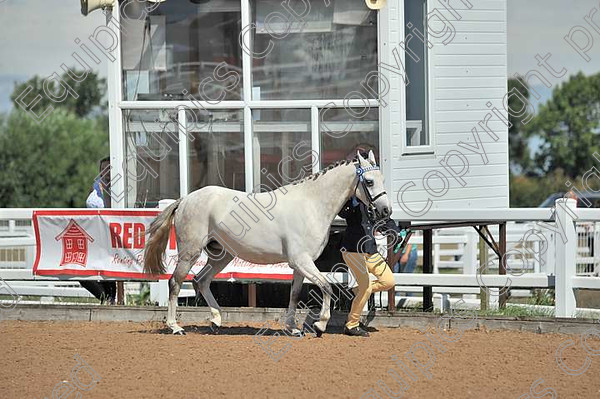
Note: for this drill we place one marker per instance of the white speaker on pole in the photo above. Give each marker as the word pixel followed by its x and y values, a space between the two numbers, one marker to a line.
pixel 87 6
pixel 375 4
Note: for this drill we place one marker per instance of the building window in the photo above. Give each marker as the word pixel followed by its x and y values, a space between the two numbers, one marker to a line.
pixel 80 243
pixel 216 153
pixel 325 58
pixel 178 46
pixel 171 51
pixel 344 132
pixel 69 243
pixel 152 157
pixel 282 147
pixel 417 128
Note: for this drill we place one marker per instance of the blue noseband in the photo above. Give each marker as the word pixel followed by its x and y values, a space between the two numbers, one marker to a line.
pixel 360 171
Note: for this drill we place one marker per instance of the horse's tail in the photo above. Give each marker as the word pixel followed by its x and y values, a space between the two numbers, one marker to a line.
pixel 159 237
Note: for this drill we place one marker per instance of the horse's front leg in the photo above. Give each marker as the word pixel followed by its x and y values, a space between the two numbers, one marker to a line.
pixel 325 314
pixel 290 324
pixel 307 268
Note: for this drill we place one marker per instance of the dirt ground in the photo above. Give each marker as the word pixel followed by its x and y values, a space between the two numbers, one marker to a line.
pixel 139 360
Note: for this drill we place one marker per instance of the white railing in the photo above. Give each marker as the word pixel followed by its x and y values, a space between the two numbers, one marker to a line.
pixel 563 265
pixel 588 248
pixel 557 225
pixel 17 256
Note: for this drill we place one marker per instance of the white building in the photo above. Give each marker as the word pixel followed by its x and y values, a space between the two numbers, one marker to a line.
pixel 191 104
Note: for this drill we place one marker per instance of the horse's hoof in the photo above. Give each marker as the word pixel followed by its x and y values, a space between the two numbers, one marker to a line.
pixel 307 329
pixel 318 332
pixel 179 332
pixel 214 328
pixel 296 333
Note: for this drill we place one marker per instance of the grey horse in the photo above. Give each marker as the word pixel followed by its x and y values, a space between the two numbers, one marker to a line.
pixel 290 224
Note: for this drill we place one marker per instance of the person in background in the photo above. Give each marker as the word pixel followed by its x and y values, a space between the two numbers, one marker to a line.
pixel 408 260
pixel 105 181
pixel 99 198
pixel 95 198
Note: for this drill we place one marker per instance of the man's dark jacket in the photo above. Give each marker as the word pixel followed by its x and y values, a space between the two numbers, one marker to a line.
pixel 359 225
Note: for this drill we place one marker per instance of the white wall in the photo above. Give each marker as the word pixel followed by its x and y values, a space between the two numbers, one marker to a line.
pixel 464 75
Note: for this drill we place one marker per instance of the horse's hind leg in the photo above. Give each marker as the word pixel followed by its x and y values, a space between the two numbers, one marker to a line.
pixel 290 317
pixel 208 272
pixel 184 264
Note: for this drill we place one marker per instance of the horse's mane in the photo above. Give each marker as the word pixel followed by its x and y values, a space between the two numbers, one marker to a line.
pixel 316 175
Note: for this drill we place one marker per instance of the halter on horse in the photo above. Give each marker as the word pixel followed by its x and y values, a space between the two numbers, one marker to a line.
pixel 360 171
pixel 293 227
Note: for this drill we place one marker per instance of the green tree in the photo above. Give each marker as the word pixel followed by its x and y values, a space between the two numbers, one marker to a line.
pixel 90 92
pixel 520 160
pixel 51 164
pixel 569 126
pixel 531 191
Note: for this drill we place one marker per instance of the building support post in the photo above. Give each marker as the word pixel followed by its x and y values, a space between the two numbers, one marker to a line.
pixel 502 261
pixel 483 261
pixel 120 293
pixel 252 295
pixel 427 268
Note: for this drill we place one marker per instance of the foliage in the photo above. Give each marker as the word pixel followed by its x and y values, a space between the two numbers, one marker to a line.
pixel 52 164
pixel 518 311
pixel 141 299
pixel 569 126
pixel 531 191
pixel 542 297
pixel 518 146
pixel 90 94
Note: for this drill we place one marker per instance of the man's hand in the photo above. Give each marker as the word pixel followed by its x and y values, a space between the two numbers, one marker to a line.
pixel 404 258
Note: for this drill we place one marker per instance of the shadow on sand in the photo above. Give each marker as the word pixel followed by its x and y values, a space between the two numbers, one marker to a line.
pixel 269 328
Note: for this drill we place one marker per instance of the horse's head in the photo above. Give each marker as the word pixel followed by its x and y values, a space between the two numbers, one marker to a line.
pixel 370 189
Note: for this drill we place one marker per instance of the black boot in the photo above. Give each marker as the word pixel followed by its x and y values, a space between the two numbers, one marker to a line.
pixel 356 332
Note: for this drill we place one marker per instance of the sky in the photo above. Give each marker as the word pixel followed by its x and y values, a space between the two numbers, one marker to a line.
pixel 539 27
pixel 37 36
pixel 31 42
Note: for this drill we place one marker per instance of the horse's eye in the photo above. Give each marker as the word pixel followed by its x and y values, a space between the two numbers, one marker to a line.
pixel 370 183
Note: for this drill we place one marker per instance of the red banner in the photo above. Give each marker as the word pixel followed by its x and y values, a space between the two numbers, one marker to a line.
pixel 110 243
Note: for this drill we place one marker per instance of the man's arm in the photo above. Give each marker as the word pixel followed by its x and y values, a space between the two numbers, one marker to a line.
pixel 346 210
pixel 390 225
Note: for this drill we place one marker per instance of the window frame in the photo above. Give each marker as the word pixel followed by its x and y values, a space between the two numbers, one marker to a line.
pixel 428 149
pixel 118 107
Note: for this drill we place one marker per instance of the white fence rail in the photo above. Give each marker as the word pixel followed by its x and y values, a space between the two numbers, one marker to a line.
pixel 564 255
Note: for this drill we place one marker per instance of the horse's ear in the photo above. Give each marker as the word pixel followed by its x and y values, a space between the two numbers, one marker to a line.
pixel 358 156
pixel 372 158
